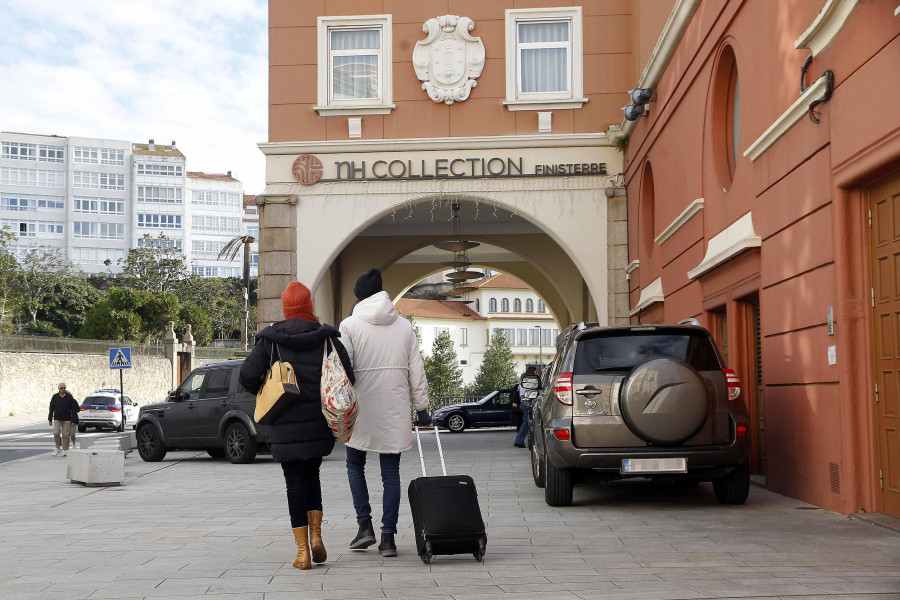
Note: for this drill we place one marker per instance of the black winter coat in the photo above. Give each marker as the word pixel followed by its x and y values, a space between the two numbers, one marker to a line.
pixel 63 407
pixel 300 432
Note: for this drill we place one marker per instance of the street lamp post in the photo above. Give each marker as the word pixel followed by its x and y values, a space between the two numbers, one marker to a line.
pixel 540 350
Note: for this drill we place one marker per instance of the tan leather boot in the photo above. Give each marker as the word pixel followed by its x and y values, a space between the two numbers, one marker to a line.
pixel 315 536
pixel 301 534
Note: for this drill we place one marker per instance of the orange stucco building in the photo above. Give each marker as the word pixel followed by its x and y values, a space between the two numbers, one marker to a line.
pixel 763 194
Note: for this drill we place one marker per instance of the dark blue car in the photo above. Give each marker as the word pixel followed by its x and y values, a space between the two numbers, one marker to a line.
pixel 494 410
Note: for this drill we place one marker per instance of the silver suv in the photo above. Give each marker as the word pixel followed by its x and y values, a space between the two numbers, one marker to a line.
pixel 639 401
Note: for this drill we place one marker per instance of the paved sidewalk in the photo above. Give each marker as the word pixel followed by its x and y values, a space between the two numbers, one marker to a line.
pixel 7 422
pixel 193 527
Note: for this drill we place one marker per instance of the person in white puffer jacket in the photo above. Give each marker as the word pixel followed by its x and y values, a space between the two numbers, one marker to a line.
pixel 384 351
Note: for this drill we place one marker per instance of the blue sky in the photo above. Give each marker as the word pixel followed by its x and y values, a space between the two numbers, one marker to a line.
pixel 193 71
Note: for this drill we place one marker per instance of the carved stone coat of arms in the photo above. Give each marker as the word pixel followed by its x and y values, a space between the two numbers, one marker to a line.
pixel 448 60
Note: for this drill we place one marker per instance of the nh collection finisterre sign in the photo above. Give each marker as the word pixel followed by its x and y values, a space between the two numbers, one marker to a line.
pixel 308 169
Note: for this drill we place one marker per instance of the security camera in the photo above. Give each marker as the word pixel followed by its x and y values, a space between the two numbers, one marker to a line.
pixel 641 95
pixel 633 111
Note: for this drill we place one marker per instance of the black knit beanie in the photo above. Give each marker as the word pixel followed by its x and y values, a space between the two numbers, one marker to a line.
pixel 367 284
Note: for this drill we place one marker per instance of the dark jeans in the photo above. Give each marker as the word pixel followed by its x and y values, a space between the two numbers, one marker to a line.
pixel 390 478
pixel 304 491
pixel 522 435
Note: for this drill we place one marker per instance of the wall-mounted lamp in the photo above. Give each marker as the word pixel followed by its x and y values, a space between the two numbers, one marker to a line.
pixel 639 98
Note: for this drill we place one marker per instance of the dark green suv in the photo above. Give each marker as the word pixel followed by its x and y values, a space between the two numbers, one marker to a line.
pixel 639 401
pixel 209 411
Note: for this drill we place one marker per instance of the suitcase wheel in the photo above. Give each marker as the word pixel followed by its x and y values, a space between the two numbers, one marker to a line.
pixel 427 554
pixel 479 556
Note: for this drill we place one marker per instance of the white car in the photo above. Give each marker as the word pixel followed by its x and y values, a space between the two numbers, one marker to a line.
pixel 103 408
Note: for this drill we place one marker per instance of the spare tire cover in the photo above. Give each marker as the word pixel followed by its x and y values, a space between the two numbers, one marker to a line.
pixel 665 401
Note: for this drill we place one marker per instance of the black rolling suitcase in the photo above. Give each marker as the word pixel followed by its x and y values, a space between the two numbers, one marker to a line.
pixel 445 512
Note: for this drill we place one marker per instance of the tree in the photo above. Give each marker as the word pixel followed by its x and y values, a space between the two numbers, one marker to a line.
pixel 498 367
pixel 10 273
pixel 442 368
pixel 197 317
pixel 41 269
pixel 154 265
pixel 68 302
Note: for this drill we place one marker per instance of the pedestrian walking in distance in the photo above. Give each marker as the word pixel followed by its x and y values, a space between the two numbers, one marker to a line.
pixel 62 405
pixel 300 436
pixel 389 370
pixel 524 409
pixel 73 424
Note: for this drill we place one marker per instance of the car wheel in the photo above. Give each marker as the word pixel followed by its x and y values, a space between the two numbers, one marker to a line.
pixel 120 428
pixel 558 485
pixel 734 487
pixel 456 422
pixel 240 447
pixel 150 447
pixel 216 452
pixel 537 465
pixel 82 428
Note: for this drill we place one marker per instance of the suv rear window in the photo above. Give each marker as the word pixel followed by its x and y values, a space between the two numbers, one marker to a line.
pixel 99 400
pixel 624 351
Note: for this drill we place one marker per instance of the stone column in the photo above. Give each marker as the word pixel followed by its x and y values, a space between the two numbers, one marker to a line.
pixel 170 346
pixel 277 253
pixel 617 235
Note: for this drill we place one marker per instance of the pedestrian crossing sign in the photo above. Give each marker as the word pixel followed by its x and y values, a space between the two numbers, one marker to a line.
pixel 120 358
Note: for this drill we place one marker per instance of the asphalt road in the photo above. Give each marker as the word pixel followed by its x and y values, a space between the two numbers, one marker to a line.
pixel 30 440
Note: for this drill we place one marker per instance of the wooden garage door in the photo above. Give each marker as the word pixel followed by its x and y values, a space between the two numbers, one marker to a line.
pixel 885 206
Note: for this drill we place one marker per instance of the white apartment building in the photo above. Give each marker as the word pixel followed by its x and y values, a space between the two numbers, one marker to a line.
pixel 216 214
pixel 251 228
pixel 159 196
pixel 499 302
pixel 95 199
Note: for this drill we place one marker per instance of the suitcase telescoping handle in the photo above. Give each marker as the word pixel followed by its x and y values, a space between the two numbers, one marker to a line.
pixel 437 436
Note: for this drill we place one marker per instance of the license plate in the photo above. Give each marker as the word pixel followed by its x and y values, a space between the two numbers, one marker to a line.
pixel 654 465
pixel 96 413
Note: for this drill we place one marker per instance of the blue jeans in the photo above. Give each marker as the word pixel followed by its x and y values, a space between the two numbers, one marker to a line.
pixel 523 429
pixel 390 478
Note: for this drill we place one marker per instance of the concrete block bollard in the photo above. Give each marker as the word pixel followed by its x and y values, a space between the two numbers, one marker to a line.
pixel 96 467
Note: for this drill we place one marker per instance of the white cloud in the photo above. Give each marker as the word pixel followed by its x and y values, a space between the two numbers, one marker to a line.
pixel 191 71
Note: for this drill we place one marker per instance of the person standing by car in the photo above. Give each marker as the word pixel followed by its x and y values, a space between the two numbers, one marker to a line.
pixel 299 436
pixel 389 368
pixel 525 407
pixel 60 417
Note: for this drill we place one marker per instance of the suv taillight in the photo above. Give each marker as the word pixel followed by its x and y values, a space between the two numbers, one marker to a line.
pixel 734 384
pixel 563 388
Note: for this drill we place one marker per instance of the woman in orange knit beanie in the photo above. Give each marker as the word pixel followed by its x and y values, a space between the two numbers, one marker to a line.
pixel 300 436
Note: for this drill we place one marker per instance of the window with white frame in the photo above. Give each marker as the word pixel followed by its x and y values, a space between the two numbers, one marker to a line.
pixel 18 150
pixel 354 65
pixel 112 156
pixel 541 307
pixel 492 305
pixel 51 153
pixel 33 228
pixel 522 335
pixel 529 305
pixel 463 336
pixel 30 202
pixel 33 177
pixel 160 194
pixel 98 181
pixel 517 305
pixel 217 199
pixel 211 224
pixel 159 243
pixel 547 337
pixel 544 58
pixel 101 231
pixel 206 248
pixel 215 271
pixel 101 206
pixel 478 305
pixel 96 256
pixel 533 336
pixel 254 259
pixel 439 330
pixel 86 154
pixel 157 221
pixel 160 169
pixel 504 305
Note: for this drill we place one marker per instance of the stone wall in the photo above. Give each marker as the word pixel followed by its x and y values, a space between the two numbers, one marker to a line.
pixel 28 380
